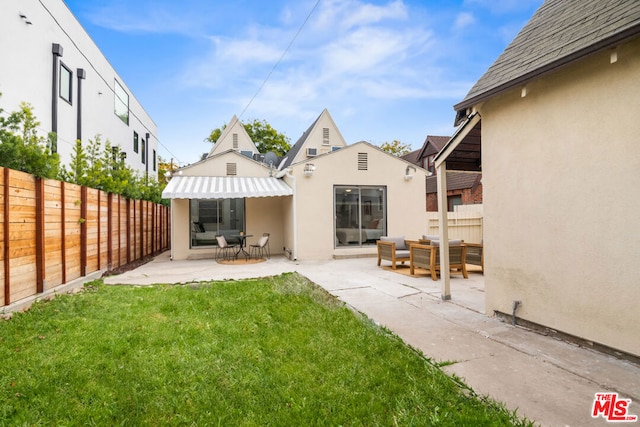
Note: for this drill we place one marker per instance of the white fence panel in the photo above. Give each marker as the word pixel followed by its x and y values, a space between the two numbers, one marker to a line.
pixel 465 223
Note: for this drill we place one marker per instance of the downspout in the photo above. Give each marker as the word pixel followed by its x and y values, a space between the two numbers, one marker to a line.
pixel 56 49
pixel 82 74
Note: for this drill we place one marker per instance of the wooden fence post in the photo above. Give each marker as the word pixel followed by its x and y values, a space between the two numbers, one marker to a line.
pixel 83 230
pixel 63 234
pixel 39 235
pixel 109 231
pixel 7 247
pixel 128 230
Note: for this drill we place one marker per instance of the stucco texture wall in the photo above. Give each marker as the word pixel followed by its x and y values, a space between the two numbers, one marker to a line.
pixel 315 198
pixel 561 173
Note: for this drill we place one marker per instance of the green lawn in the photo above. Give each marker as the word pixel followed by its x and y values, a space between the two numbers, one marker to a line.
pixel 271 351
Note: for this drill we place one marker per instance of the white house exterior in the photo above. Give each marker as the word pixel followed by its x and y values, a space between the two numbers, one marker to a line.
pixel 50 62
pixel 330 203
pixel 557 114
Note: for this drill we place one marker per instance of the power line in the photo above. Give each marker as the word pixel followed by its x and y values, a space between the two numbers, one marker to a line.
pixel 281 57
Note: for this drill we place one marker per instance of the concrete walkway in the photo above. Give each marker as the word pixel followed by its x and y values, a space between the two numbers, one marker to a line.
pixel 549 381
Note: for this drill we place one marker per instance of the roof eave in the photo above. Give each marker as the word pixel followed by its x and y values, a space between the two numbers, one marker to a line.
pixel 608 43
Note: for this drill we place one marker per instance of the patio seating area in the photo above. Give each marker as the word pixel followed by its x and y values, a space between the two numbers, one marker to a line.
pixel 231 253
pixel 425 254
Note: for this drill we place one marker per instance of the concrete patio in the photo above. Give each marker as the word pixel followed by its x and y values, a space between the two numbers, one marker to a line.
pixel 545 379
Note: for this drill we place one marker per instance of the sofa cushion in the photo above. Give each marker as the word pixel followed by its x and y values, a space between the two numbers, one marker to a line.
pixel 454 242
pixel 430 237
pixel 403 253
pixel 399 241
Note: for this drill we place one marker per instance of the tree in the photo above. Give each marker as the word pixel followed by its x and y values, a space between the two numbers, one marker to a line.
pixel 163 168
pixel 262 134
pixel 396 148
pixel 22 149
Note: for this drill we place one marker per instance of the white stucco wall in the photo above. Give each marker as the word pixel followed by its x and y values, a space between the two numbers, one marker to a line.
pixel 561 178
pixel 315 209
pixel 26 75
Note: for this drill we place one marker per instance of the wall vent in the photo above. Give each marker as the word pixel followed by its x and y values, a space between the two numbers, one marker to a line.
pixel 312 152
pixel 363 161
pixel 325 136
pixel 232 169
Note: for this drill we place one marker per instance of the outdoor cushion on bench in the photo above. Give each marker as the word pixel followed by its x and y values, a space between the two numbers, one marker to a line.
pixel 394 249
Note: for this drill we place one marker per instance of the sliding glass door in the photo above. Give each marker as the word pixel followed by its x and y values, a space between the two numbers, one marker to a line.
pixel 211 218
pixel 360 215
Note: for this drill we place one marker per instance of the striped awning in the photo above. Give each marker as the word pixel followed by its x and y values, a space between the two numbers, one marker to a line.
pixel 224 187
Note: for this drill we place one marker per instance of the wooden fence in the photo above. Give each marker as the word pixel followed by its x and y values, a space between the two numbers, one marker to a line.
pixel 464 223
pixel 53 232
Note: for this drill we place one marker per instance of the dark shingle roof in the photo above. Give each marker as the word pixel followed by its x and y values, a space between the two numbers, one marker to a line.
pixel 560 32
pixel 412 157
pixel 455 181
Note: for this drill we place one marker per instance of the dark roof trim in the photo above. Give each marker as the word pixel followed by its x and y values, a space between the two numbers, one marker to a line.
pixel 610 42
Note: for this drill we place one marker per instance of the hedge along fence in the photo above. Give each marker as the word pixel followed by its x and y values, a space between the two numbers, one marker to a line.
pixel 53 232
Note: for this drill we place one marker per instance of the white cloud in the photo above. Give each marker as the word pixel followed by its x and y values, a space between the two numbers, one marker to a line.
pixel 463 20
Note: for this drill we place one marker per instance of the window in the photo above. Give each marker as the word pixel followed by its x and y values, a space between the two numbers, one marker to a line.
pixel 432 166
pixel 143 151
pixel 65 83
pixel 135 141
pixel 453 201
pixel 121 102
pixel 211 218
pixel 360 213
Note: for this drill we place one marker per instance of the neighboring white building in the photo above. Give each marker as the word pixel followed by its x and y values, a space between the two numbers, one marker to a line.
pixel 50 62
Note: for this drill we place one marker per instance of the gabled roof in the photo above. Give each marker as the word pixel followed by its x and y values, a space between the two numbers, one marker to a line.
pixel 559 33
pixel 244 140
pixel 292 155
pixel 433 144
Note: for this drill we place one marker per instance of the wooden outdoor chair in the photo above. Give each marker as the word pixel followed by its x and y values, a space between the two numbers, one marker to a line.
pixel 394 249
pixel 475 255
pixel 428 257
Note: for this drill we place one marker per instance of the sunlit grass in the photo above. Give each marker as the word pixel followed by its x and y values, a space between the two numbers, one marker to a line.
pixel 271 351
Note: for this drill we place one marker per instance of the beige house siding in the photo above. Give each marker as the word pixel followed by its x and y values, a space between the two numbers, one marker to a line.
pixel 316 138
pixel 226 140
pixel 315 198
pixel 561 173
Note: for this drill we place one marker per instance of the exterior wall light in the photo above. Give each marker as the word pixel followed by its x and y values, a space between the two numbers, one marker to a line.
pixel 407 174
pixel 309 168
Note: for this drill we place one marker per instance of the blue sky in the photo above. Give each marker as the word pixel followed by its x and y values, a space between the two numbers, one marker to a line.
pixel 385 70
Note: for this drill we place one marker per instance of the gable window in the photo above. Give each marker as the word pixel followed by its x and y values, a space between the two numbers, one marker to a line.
pixel 325 136
pixel 135 141
pixel 360 213
pixel 120 102
pixel 65 83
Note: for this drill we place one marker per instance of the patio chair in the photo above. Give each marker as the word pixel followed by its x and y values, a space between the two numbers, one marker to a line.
pixel 261 248
pixel 428 257
pixel 394 249
pixel 224 248
pixel 475 255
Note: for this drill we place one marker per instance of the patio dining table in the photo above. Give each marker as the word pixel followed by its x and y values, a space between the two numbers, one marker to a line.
pixel 242 239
